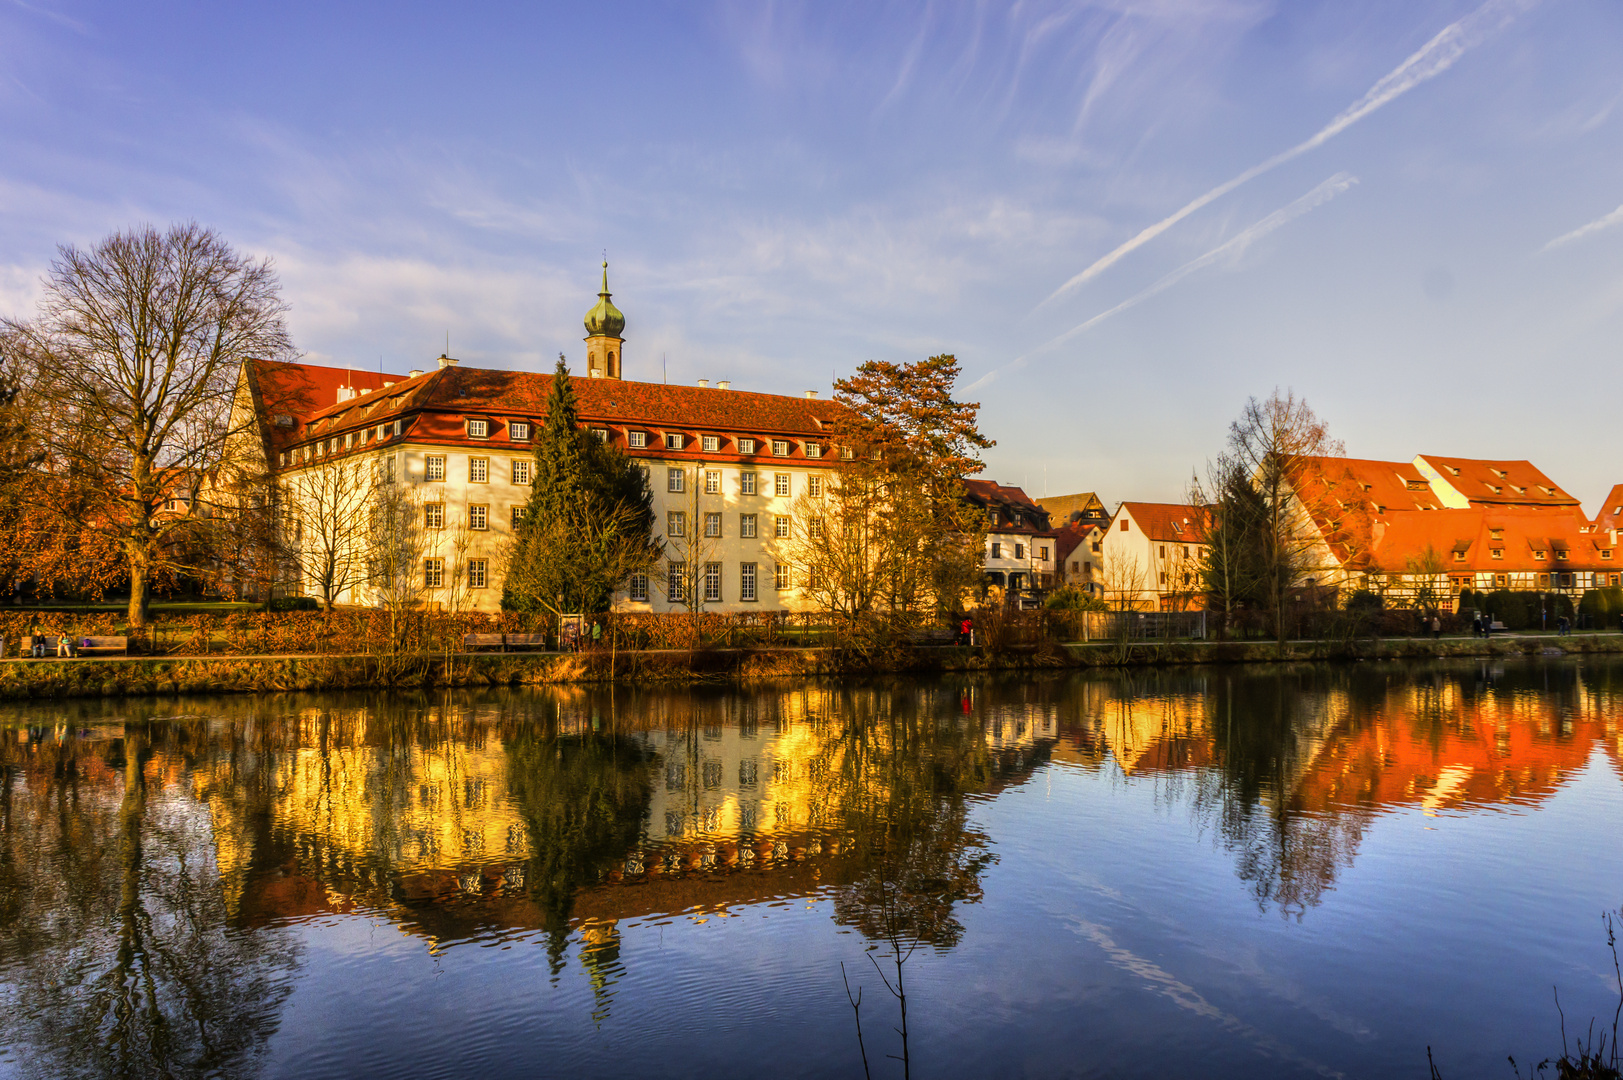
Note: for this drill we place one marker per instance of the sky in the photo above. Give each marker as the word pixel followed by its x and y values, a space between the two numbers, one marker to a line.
pixel 1124 217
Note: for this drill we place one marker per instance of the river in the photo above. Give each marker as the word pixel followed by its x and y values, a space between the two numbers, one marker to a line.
pixel 1215 872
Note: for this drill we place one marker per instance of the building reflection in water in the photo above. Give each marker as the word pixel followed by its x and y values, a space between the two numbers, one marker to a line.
pixel 154 841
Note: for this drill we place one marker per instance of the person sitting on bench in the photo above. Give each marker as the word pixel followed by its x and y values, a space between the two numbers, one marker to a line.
pixel 64 645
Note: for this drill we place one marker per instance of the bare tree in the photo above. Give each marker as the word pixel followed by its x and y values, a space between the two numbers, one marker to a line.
pixel 329 506
pixel 136 347
pixel 396 546
pixel 1269 443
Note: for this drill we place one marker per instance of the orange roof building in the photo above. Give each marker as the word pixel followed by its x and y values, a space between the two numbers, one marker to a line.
pixel 725 466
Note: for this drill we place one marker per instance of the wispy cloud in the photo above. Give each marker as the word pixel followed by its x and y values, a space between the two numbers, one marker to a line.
pixel 1432 59
pixel 1229 251
pixel 1606 222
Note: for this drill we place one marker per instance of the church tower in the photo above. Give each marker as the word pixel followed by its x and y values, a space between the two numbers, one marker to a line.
pixel 603 342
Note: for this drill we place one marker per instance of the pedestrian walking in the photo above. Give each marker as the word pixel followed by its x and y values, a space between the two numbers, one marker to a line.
pixel 1436 628
pixel 597 633
pixel 1476 626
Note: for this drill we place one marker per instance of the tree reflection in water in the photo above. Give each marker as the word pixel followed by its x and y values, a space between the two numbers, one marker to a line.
pixel 120 956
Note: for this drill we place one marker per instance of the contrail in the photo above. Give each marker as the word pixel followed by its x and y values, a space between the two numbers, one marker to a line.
pixel 1232 249
pixel 1615 217
pixel 1431 60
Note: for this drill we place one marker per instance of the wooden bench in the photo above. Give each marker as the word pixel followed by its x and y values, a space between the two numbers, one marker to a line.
pixel 1496 627
pixel 80 646
pixel 471 642
pixel 526 641
pixel 936 636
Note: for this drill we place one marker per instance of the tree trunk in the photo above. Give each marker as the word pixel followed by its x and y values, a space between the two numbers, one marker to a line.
pixel 140 590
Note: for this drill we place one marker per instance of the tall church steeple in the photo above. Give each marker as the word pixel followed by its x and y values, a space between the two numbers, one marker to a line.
pixel 603 342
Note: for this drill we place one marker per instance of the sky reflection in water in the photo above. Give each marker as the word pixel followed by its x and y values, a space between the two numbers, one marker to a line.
pixel 1315 872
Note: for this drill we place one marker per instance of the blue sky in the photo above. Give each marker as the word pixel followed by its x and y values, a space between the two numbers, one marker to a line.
pixel 786 190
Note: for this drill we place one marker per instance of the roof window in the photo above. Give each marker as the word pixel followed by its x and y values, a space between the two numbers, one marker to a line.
pixel 674 440
pixel 746 446
pixel 478 429
pixel 519 430
pixel 636 439
pixel 780 447
pixel 711 443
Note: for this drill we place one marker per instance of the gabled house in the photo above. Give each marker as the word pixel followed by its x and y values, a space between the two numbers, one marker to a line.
pixel 1020 544
pixel 1151 554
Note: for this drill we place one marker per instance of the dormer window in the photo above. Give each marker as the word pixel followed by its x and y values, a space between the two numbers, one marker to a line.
pixel 478 429
pixel 711 443
pixel 846 453
pixel 1496 489
pixel 1538 553
pixel 1546 490
pixel 1459 556
pixel 1606 553
pixel 814 449
pixel 602 434
pixel 746 446
pixel 674 440
pixel 1452 469
pixel 1560 553
pixel 1498 553
pixel 349 440
pixel 1496 534
pixel 780 447
pixel 636 439
pixel 1500 473
pixel 519 431
pixel 281 459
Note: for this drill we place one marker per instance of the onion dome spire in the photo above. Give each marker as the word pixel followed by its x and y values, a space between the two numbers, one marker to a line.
pixel 605 319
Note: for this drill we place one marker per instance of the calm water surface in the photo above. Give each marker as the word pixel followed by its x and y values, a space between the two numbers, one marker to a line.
pixel 1216 873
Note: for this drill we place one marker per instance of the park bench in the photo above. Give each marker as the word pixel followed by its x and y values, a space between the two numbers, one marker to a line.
pixel 526 641
pixel 1496 627
pixel 935 636
pixel 482 641
pixel 503 642
pixel 81 646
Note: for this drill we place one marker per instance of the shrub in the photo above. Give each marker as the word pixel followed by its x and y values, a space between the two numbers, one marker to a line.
pixel 1070 598
pixel 294 603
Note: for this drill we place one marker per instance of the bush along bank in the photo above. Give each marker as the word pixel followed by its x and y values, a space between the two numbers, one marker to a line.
pixel 227 675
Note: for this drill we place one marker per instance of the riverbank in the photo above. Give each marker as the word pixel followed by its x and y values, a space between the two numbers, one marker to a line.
pixel 120 676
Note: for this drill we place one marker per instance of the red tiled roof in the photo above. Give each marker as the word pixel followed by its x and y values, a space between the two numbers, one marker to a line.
pixel 1175 522
pixel 1610 515
pixel 1523 532
pixel 1029 516
pixel 1069 537
pixel 1383 486
pixel 1499 483
pixel 436 406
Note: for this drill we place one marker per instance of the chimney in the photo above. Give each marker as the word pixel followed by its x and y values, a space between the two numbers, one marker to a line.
pixel 724 384
pixel 447 361
pixel 413 373
pixel 704 382
pixel 811 393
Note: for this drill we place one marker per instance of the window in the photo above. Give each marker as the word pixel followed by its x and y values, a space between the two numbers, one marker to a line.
pixel 1042 552
pixel 523 471
pixel 1496 534
pixel 602 434
pixel 519 431
pixel 814 449
pixel 674 575
pixel 1097 546
pixel 712 583
pixel 746 526
pixel 814 528
pixel 1607 554
pixel 712 481
pixel 1498 553
pixel 780 576
pixel 334 447
pixel 780 447
pixel 478 573
pixel 383 431
pixel 638 588
pixel 674 480
pixel 281 459
pixel 479 518
pixel 478 429
pixel 746 582
pixel 399 426
pixel 674 440
pixel 1019 551
pixel 1560 553
pixel 433 573
pixel 321 449
pixel 780 485
pixel 516 513
pixel 1538 554
pixel 712 524
pixel 349 440
pixel 997 550
pixel 746 446
pixel 746 483
pixel 814 486
pixel 1459 556
pixel 433 515
pixel 1543 579
pixel 478 470
pixel 846 453
pixel 711 443
pixel 780 526
pixel 436 467
pixel 676 523
pixel 1123 524
pixel 637 439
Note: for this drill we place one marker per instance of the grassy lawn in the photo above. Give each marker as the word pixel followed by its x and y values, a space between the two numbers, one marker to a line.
pixel 157 607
